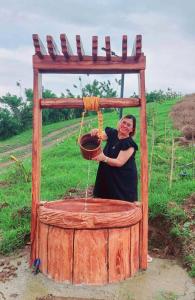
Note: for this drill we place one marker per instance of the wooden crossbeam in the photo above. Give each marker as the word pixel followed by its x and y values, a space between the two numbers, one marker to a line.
pixel 124 47
pixel 52 47
pixel 87 65
pixel 137 48
pixel 78 102
pixel 65 45
pixel 40 50
pixel 94 47
pixel 80 50
pixel 108 48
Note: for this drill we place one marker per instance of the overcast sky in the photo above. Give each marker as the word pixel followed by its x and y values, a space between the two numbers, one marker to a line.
pixel 167 29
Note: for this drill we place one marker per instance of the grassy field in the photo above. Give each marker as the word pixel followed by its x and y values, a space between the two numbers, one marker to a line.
pixel 63 168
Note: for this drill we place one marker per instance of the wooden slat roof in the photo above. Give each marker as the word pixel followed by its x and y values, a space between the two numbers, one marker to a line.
pixel 65 61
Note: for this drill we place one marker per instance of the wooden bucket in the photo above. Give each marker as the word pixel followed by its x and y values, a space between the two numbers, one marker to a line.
pixel 90 146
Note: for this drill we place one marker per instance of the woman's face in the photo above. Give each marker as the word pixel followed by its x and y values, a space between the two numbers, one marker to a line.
pixel 125 126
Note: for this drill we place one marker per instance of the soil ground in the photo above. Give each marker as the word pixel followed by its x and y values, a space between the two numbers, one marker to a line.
pixel 163 280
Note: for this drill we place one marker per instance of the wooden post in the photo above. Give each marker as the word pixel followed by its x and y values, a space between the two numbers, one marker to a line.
pixel 36 161
pixel 144 172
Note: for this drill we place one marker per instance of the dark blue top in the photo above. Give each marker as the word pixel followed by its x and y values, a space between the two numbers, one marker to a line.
pixel 117 182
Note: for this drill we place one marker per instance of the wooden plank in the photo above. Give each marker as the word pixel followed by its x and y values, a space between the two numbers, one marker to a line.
pixel 144 170
pixel 36 160
pixel 94 47
pixel 134 253
pixel 108 48
pixel 87 66
pixel 80 50
pixel 60 254
pixel 137 48
pixel 39 47
pixel 65 45
pixel 43 247
pixel 124 47
pixel 78 102
pixel 52 47
pixel 119 254
pixel 90 256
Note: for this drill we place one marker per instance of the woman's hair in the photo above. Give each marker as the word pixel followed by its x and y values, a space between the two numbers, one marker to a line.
pixel 134 123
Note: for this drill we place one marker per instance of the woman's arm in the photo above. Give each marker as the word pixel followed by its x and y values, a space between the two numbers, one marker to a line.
pixel 121 159
pixel 95 131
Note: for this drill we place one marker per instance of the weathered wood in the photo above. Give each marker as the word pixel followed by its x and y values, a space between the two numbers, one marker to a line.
pixel 52 47
pixel 94 47
pixel 65 45
pixel 92 213
pixel 43 247
pixel 87 65
pixel 36 160
pixel 108 48
pixel 90 256
pixel 60 254
pixel 80 50
pixel 78 103
pixel 144 170
pixel 134 253
pixel 119 254
pixel 124 47
pixel 40 50
pixel 137 48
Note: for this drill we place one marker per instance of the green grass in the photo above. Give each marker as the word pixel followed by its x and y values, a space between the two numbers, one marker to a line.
pixel 64 168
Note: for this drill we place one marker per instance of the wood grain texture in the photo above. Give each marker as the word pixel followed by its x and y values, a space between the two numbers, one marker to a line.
pixel 108 48
pixel 52 47
pixel 94 47
pixel 65 45
pixel 144 170
pixel 80 49
pixel 36 161
pixel 87 66
pixel 78 102
pixel 43 247
pixel 60 254
pixel 119 254
pixel 72 214
pixel 135 251
pixel 124 47
pixel 40 50
pixel 90 256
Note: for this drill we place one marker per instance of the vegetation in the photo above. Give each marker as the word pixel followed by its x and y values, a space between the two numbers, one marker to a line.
pixel 64 170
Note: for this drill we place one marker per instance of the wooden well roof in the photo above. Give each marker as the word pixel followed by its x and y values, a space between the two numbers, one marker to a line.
pixel 54 60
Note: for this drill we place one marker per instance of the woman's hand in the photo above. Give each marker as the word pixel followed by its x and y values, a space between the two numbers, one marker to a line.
pixel 94 132
pixel 100 157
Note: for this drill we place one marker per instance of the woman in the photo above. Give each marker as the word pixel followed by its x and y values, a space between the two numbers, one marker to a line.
pixel 117 172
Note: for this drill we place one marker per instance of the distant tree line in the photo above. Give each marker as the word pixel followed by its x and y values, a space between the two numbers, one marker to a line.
pixel 16 113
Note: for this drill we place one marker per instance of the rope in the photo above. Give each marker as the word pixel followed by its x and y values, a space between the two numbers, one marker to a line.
pixel 92 103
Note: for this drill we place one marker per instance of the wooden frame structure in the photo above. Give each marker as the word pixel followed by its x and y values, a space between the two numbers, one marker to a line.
pixel 67 62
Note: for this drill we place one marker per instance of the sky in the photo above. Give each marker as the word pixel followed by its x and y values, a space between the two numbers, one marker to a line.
pixel 167 29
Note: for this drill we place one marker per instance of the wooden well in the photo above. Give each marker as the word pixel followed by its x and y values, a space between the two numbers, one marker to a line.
pixel 108 240
pixel 93 241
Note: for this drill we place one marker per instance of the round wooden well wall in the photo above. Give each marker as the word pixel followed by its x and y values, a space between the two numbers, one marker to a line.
pixel 92 242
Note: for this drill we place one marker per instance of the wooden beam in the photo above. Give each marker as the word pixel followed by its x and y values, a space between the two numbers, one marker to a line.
pixel 94 47
pixel 80 50
pixel 108 48
pixel 52 47
pixel 87 65
pixel 137 48
pixel 65 45
pixel 124 47
pixel 78 102
pixel 39 47
pixel 36 163
pixel 144 171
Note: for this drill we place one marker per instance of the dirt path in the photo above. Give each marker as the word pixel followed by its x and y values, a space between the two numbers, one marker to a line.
pixel 49 140
pixel 164 280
